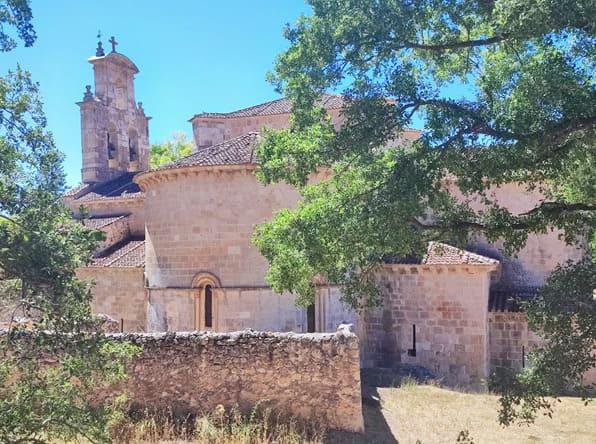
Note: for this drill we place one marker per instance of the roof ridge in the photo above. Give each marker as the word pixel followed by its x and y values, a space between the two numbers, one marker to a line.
pixel 205 150
pixel 259 106
pixel 117 218
pixel 466 255
pixel 124 253
pixel 267 108
pixel 127 173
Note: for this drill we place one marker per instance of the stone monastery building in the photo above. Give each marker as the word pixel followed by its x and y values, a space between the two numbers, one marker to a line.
pixel 178 256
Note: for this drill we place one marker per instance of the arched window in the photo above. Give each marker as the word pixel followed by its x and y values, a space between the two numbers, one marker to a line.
pixel 111 147
pixel 111 142
pixel 208 306
pixel 205 297
pixel 133 146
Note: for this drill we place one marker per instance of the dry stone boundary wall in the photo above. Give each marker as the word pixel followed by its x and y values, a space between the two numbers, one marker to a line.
pixel 307 375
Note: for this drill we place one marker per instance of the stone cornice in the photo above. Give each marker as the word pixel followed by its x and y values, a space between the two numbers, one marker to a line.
pixel 223 117
pixel 117 59
pixel 439 268
pixel 110 200
pixel 149 178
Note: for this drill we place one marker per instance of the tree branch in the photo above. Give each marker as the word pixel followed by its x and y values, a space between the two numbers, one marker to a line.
pixel 524 223
pixel 559 207
pixel 460 44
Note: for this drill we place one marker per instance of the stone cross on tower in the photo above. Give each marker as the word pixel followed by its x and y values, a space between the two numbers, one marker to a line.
pixel 114 43
pixel 115 136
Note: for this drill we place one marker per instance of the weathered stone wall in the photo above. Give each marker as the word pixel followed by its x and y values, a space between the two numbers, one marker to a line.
pixel 114 232
pixel 258 308
pixel 118 293
pixel 134 208
pixel 112 110
pixel 209 131
pixel 542 252
pixel 310 376
pixel 202 220
pixel 448 305
pixel 330 311
pixel 509 340
pixel 171 309
pixel 180 309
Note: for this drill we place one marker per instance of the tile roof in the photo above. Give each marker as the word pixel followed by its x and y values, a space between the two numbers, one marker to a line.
pixel 126 253
pixel 508 300
pixel 120 187
pixel 76 190
pixel 97 223
pixel 443 254
pixel 278 106
pixel 236 151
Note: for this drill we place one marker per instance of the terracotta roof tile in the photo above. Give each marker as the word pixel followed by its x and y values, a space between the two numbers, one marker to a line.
pixel 443 254
pixel 97 223
pixel 120 187
pixel 278 106
pixel 237 151
pixel 127 253
pixel 76 190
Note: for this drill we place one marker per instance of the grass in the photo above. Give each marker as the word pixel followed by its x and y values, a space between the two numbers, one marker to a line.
pixel 429 414
pixel 221 426
pixel 411 413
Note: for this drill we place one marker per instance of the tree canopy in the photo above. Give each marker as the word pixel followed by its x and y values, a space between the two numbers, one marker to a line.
pixel 170 150
pixel 40 248
pixel 504 92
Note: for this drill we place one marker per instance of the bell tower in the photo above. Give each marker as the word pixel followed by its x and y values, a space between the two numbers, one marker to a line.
pixel 114 128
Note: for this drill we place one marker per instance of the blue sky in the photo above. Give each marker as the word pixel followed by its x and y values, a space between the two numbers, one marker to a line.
pixel 193 56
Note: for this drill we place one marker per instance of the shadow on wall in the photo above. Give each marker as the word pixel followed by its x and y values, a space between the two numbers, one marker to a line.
pixel 376 429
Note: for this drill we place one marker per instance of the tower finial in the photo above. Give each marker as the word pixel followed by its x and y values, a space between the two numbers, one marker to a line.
pixel 99 51
pixel 114 43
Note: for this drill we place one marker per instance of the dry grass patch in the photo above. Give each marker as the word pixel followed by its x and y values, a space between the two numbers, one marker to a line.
pixel 430 414
pixel 410 414
pixel 260 426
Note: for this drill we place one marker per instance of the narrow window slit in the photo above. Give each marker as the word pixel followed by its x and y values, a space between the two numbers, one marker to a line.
pixel 412 351
pixel 208 306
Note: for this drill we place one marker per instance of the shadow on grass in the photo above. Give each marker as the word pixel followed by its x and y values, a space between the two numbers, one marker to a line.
pixel 376 429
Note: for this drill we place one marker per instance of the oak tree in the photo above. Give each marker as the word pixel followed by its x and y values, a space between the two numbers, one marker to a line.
pixel 503 91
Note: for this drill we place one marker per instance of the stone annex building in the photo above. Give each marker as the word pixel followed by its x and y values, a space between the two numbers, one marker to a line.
pixel 178 256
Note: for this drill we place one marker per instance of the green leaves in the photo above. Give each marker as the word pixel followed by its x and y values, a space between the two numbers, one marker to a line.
pixel 170 150
pixel 564 314
pixel 15 14
pixel 50 365
pixel 505 92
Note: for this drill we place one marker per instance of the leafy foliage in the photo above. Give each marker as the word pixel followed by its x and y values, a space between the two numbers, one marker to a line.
pixel 50 365
pixel 17 14
pixel 527 116
pixel 505 92
pixel 170 150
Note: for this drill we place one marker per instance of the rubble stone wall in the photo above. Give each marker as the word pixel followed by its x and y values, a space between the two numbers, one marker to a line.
pixel 306 375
